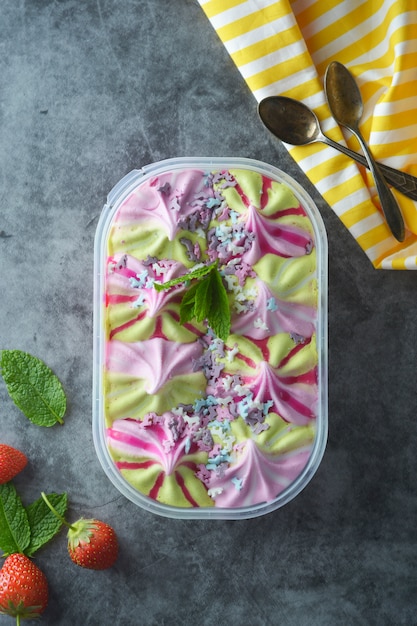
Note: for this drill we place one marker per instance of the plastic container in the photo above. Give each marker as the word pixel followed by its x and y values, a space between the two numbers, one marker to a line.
pixel 119 197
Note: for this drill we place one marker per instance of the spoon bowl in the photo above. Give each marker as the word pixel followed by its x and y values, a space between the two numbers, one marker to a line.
pixel 290 120
pixel 343 96
pixel 345 102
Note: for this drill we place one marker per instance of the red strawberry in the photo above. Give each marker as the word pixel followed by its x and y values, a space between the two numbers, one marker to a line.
pixel 92 544
pixel 12 462
pixel 23 588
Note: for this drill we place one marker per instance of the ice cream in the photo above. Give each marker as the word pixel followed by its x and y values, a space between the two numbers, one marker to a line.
pixel 193 419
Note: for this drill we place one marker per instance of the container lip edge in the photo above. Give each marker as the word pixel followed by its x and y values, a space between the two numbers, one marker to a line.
pixel 114 199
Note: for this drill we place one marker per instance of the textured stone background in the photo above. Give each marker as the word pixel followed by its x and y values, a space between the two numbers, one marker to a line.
pixel 89 91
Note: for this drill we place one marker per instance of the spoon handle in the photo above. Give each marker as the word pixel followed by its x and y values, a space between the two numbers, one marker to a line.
pixel 406 183
pixel 389 204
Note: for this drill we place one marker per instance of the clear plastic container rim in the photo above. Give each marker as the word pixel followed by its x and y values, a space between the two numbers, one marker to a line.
pixel 114 199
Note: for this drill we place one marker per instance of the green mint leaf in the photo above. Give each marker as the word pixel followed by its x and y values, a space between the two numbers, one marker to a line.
pixel 14 524
pixel 44 525
pixel 187 306
pixel 207 300
pixel 219 316
pixel 33 387
pixel 202 298
pixel 195 302
pixel 199 272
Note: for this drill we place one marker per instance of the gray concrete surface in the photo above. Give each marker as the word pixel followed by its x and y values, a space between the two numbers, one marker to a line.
pixel 90 90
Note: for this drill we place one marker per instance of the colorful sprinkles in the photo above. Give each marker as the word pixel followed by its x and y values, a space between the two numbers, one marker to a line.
pixel 263 378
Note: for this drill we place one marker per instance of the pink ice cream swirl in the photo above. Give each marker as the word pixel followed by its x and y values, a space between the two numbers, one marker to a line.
pixel 166 200
pixel 159 452
pixel 267 315
pixel 272 233
pixel 155 361
pixel 256 476
pixel 130 284
pixel 288 388
pixel 273 237
pixel 293 398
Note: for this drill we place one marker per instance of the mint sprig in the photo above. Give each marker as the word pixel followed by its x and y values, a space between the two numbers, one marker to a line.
pixel 33 387
pixel 25 530
pixel 199 272
pixel 205 299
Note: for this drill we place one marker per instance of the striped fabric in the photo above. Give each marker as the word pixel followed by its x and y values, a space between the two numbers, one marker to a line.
pixel 282 47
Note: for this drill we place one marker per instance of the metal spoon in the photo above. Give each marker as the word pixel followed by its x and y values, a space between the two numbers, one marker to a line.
pixel 345 102
pixel 294 123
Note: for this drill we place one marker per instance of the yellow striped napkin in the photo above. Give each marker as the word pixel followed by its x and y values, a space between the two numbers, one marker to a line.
pixel 282 47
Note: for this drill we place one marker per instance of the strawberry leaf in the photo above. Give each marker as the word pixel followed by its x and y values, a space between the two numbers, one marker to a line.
pixel 44 524
pixel 14 524
pixel 33 387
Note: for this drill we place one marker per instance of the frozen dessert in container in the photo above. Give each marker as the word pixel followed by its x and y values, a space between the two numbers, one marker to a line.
pixel 210 346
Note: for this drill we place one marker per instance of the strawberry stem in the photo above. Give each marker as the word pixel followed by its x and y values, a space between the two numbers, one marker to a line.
pixel 55 512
